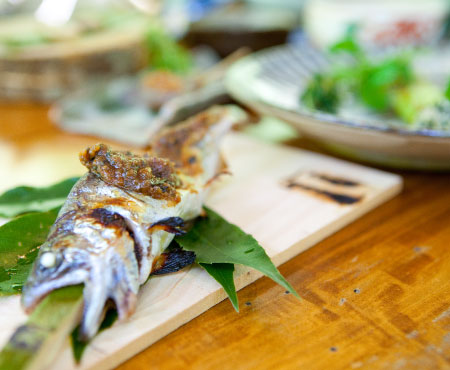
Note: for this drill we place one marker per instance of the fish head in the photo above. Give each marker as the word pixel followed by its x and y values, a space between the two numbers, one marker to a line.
pixel 54 268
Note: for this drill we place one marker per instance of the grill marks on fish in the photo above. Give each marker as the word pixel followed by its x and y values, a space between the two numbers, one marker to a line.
pixel 175 260
pixel 181 145
pixel 114 220
pixel 172 225
pixel 107 218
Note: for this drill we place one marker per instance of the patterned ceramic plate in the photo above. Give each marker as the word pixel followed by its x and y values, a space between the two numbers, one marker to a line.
pixel 271 82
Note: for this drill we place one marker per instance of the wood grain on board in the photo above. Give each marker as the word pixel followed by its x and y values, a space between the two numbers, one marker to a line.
pixel 375 294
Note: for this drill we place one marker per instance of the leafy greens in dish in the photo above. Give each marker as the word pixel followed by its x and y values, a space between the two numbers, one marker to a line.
pixel 385 84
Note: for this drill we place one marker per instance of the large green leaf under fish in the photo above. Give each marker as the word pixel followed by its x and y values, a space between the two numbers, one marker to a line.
pixel 223 274
pixel 215 240
pixel 25 199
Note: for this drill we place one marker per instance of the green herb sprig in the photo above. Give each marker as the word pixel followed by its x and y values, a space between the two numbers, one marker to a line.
pixel 166 53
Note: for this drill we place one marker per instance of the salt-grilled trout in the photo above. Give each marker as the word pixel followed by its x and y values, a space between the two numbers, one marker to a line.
pixel 120 217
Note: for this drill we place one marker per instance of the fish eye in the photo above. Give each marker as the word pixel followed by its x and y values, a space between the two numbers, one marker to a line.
pixel 48 260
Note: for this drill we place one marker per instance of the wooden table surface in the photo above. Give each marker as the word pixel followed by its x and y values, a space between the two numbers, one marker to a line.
pixel 375 294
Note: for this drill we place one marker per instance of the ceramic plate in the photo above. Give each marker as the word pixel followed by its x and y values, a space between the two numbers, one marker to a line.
pixel 271 82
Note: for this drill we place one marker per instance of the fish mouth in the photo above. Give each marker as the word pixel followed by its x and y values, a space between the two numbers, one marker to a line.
pixel 110 274
pixel 33 294
pixel 100 287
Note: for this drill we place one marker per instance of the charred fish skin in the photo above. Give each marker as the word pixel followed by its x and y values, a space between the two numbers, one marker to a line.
pixel 113 227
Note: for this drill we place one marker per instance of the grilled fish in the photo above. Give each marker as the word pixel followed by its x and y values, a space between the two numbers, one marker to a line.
pixel 120 217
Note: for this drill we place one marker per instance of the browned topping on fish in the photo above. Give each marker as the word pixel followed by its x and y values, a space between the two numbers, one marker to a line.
pixel 155 177
pixel 181 145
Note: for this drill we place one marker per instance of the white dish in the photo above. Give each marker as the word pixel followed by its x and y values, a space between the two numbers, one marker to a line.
pixel 271 82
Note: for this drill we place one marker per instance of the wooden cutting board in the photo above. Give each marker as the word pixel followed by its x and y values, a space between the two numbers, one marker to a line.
pixel 288 199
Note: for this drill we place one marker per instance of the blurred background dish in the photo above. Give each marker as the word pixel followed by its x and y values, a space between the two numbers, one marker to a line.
pixel 273 82
pixel 41 61
pixel 131 109
pixel 380 23
pixel 256 25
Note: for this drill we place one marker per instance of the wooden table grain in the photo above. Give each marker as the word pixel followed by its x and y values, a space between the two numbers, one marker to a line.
pixel 375 295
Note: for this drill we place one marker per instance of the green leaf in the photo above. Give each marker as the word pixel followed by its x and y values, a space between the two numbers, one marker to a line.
pixel 24 39
pixel 348 43
pixel 20 240
pixel 78 346
pixel 322 93
pixel 37 342
pixel 223 274
pixel 409 102
pixel 447 91
pixel 374 82
pixel 380 81
pixel 25 199
pixel 215 240
pixel 165 53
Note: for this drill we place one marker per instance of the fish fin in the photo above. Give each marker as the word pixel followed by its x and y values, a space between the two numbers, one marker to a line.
pixel 172 261
pixel 172 225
